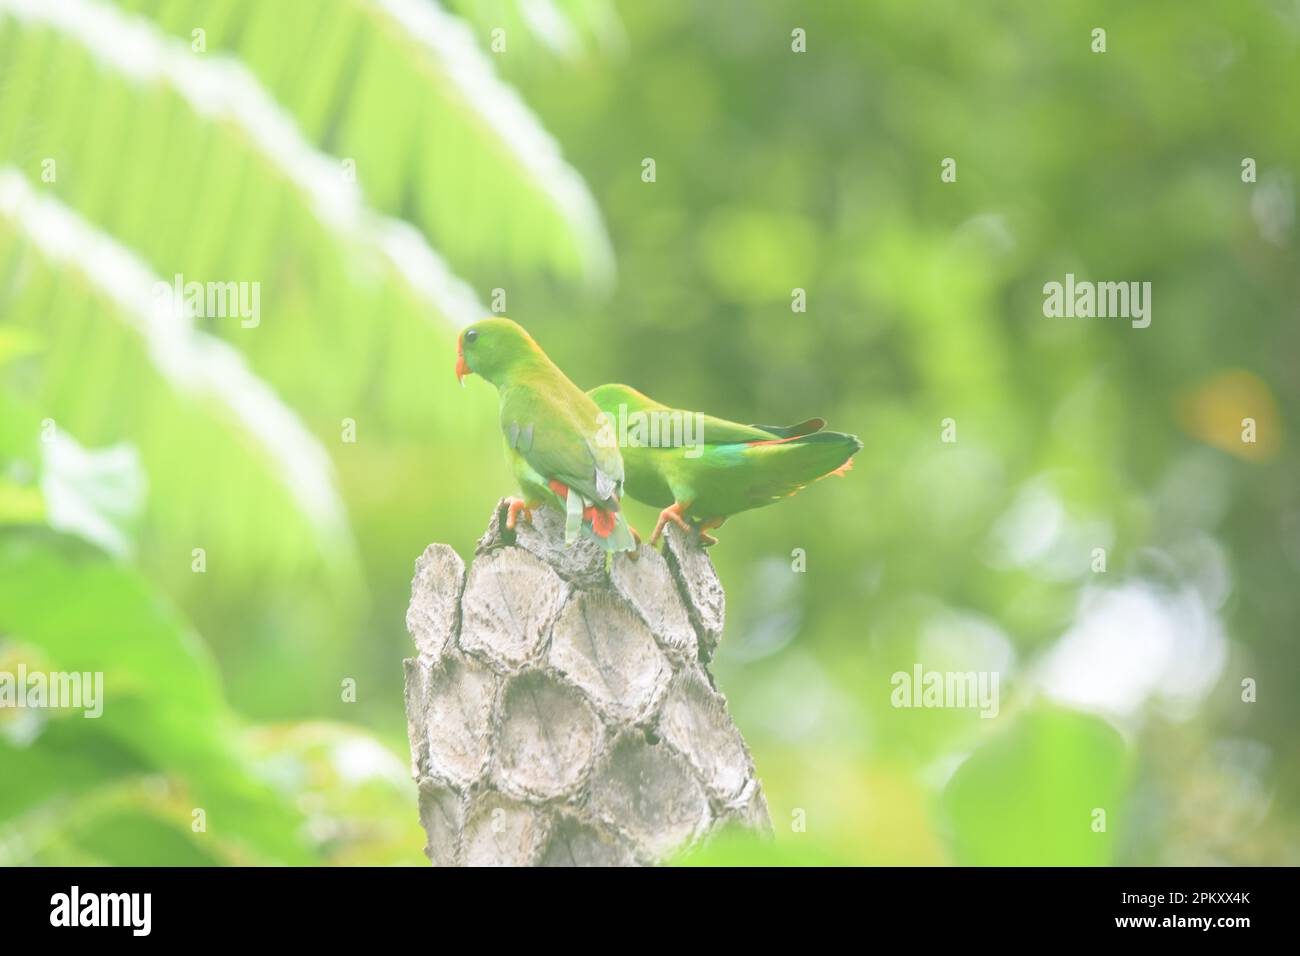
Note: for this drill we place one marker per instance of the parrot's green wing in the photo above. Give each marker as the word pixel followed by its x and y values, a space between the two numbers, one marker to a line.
pixel 565 455
pixel 808 427
pixel 719 431
pixel 733 467
pixel 558 433
pixel 716 431
pixel 557 445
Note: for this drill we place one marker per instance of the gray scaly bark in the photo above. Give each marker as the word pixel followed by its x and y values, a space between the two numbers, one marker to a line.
pixel 563 714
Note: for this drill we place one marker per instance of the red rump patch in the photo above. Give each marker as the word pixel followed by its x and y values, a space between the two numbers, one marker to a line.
pixel 602 521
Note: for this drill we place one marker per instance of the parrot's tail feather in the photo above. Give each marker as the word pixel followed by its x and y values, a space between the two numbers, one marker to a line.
pixel 622 537
pixel 791 463
pixel 610 530
pixel 606 527
pixel 794 431
pixel 773 441
pixel 572 517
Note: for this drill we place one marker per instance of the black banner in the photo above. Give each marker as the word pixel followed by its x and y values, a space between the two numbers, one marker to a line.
pixel 336 905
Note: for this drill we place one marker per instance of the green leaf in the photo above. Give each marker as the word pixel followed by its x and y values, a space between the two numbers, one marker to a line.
pixel 737 846
pixel 460 126
pixel 1031 796
pixel 162 703
pixel 205 426
pixel 132 837
pixel 359 797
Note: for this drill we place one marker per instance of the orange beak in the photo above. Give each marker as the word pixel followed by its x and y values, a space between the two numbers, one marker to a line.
pixel 462 369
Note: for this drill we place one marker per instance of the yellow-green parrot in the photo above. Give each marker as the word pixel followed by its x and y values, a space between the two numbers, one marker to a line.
pixel 708 468
pixel 553 435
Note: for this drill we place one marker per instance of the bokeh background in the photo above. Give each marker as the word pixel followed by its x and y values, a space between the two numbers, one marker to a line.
pixel 389 170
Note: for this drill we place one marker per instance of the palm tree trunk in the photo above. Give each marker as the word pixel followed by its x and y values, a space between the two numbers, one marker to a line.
pixel 563 714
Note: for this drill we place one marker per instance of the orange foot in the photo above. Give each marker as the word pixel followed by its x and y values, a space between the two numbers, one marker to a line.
pixel 517 505
pixel 707 540
pixel 843 470
pixel 674 514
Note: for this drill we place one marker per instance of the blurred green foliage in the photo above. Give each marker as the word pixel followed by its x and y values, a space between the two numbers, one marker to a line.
pixel 373 168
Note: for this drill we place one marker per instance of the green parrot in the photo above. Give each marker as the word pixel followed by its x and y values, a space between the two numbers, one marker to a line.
pixel 702 470
pixel 554 441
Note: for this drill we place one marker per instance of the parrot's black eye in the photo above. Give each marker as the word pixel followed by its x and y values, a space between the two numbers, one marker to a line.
pixel 471 335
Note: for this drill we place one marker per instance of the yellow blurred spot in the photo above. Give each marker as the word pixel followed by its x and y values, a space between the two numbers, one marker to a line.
pixel 1234 411
pixel 868 813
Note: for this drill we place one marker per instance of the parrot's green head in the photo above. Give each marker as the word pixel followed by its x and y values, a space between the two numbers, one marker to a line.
pixel 494 349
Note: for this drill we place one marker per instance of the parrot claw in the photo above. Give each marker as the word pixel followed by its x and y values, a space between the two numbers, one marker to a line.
pixel 707 540
pixel 672 513
pixel 516 505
